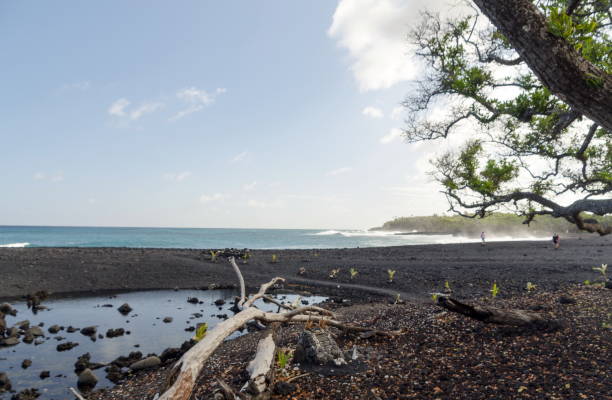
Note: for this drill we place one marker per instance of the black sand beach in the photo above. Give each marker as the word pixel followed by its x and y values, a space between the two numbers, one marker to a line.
pixel 469 268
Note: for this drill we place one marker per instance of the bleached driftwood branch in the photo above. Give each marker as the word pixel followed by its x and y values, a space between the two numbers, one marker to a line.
pixel 260 368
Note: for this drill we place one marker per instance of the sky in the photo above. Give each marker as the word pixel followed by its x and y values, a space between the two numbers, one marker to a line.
pixel 268 114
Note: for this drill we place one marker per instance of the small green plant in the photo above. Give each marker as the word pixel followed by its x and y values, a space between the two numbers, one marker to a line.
pixel 447 287
pixel 282 358
pixel 397 298
pixel 274 258
pixel 334 273
pixel 391 274
pixel 587 282
pixel 245 257
pixel 201 331
pixel 434 297
pixel 530 287
pixel 494 290
pixel 353 272
pixel 214 255
pixel 603 270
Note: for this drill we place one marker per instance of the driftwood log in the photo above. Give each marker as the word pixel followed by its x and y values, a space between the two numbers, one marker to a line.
pixel 182 378
pixel 494 315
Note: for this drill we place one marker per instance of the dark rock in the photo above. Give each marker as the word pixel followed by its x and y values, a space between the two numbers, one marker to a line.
pixel 25 364
pixel 318 347
pixel 12 332
pixel 66 346
pixel 125 309
pixel 193 300
pixel 23 325
pixel 71 329
pixel 567 300
pixel 28 339
pixel 111 333
pixel 82 363
pixel 283 388
pixel 608 284
pixel 167 320
pixel 26 394
pixel 147 363
pixel 54 329
pixel 87 380
pixel 89 331
pixel 5 383
pixel 11 341
pixel 107 305
pixel 6 308
pixel 190 329
pixel 45 374
pixel 219 302
pixel 124 361
pixel 171 353
pixel 35 331
pixel 114 374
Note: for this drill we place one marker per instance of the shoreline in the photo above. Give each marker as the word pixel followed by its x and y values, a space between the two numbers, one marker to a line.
pixel 469 267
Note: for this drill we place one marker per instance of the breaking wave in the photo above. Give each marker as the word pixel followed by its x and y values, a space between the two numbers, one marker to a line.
pixel 354 233
pixel 15 245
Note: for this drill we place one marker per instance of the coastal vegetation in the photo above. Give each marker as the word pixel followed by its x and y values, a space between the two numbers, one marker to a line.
pixel 496 223
pixel 530 143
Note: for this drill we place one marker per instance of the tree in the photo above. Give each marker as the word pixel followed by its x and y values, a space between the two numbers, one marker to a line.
pixel 553 58
pixel 528 150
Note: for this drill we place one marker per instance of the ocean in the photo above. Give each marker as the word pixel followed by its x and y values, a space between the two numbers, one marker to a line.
pixel 209 238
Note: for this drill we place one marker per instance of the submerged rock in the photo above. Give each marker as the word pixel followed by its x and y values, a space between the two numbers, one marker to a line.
pixel 11 341
pixel 54 329
pixel 45 374
pixel 25 364
pixel 111 333
pixel 5 383
pixel 66 346
pixel 167 320
pixel 35 331
pixel 26 394
pixel 89 331
pixel 87 380
pixel 125 309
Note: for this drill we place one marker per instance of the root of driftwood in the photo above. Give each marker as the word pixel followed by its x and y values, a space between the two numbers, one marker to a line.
pixel 183 376
pixel 493 315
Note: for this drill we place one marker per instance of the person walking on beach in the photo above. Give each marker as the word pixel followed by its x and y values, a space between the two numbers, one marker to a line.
pixel 556 240
pixel 482 238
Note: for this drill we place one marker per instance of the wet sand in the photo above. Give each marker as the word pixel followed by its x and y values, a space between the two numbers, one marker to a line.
pixel 469 268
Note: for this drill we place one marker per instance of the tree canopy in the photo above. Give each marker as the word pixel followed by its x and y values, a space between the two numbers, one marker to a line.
pixel 527 149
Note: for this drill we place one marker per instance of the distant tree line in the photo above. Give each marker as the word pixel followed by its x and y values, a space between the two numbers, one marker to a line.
pixel 496 223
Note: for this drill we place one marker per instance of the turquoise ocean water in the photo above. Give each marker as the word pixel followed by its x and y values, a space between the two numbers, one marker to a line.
pixel 205 238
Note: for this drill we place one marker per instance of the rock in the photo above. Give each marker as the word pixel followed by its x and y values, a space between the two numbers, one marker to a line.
pixel 87 380
pixel 125 309
pixel 89 331
pixel 318 347
pixel 66 346
pixel 82 363
pixel 12 332
pixel 23 325
pixel 608 284
pixel 28 339
pixel 26 394
pixel 5 383
pixel 114 374
pixel 283 388
pixel 567 300
pixel 124 361
pixel 171 353
pixel 45 374
pixel 193 300
pixel 71 329
pixel 149 362
pixel 54 329
pixel 6 308
pixel 219 302
pixel 167 320
pixel 25 364
pixel 11 341
pixel 111 333
pixel 107 305
pixel 190 329
pixel 38 342
pixel 35 331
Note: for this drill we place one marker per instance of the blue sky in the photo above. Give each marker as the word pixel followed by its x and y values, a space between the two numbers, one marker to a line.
pixel 275 114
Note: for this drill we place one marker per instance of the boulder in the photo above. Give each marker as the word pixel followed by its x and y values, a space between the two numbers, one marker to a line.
pixel 318 347
pixel 28 339
pixel 89 331
pixel 193 300
pixel 71 329
pixel 66 346
pixel 87 380
pixel 35 331
pixel 111 333
pixel 219 302
pixel 125 309
pixel 149 362
pixel 23 325
pixel 11 341
pixel 6 308
pixel 170 353
pixel 54 329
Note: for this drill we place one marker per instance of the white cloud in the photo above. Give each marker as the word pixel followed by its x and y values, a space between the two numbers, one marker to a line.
pixel 375 34
pixel 239 157
pixel 393 134
pixel 178 176
pixel 145 108
pixel 207 198
pixel 249 186
pixel 41 176
pixel 372 112
pixel 196 100
pixel 397 113
pixel 339 171
pixel 118 107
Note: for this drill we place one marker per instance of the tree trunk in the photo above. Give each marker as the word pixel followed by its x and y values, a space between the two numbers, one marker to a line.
pixel 559 66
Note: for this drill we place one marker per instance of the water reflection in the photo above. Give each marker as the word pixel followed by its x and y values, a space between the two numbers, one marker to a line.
pixel 144 322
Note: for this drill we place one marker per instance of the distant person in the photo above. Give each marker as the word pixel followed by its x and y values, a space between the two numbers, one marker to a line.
pixel 482 238
pixel 556 240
